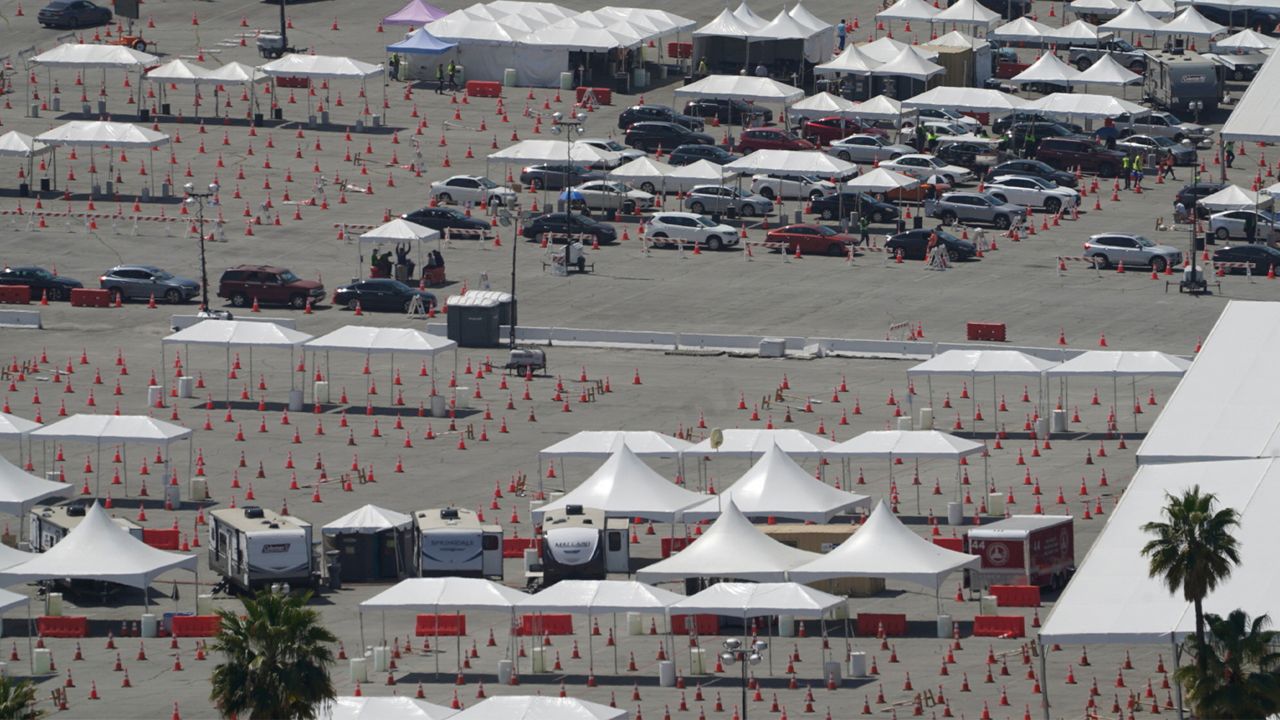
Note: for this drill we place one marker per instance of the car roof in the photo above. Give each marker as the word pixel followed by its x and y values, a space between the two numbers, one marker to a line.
pixel 132 266
pixel 677 213
pixel 654 123
pixel 13 268
pixel 259 268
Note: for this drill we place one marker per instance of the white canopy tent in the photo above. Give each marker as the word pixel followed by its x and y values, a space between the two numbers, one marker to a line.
pixel 851 60
pixel 1049 69
pixel 624 486
pixel 99 549
pixel 908 10
pixel 237 333
pixel 741 87
pixel 880 107
pixel 539 707
pixel 968 13
pixel 1191 23
pixel 822 105
pixel 1102 8
pixel 984 363
pixel 880 180
pixel 785 35
pixel 393 707
pixel 20 490
pixel 397 230
pixel 1160 9
pixel 180 72
pixel 85 57
pixel 750 443
pixel 983 100
pixel 21 145
pixel 1117 364
pixel 1086 105
pixel 643 172
pixel 1231 197
pixel 322 67
pixel 603 443
pixel 885 548
pixel 1133 19
pixel 721 36
pixel 95 134
pixel 368 519
pixel 731 548
pixel 236 73
pixel 1256 116
pixel 776 486
pixel 909 64
pixel 895 446
pixel 1246 40
pixel 1107 71
pixel 1077 32
pixel 16 427
pixel 1024 29
pixel 702 172
pixel 748 600
pixel 554 151
pixel 747 16
pixel 124 430
pixel 801 162
pixel 381 341
pixel 885 48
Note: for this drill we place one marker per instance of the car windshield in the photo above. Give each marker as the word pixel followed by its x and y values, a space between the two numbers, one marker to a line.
pixel 487 183
pixel 1122 45
pixel 1038 181
pixel 162 275
pixel 704 221
pixel 826 231
pixel 288 277
pixel 43 274
pixel 935 162
pixel 1163 141
pixel 613 145
pixel 992 199
pixel 1143 241
pixel 946 237
pixel 454 213
pixel 398 286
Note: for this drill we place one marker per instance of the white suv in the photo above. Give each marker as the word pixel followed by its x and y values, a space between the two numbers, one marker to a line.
pixel 691 227
pixel 613 146
pixel 791 187
pixel 471 189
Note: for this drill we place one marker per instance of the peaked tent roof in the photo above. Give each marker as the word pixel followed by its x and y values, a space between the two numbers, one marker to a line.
pixel 956 39
pixel 884 547
pixel 368 519
pixel 179 71
pixel 599 596
pixel 379 340
pixel 390 707
pixel 1088 105
pixel 16 144
pixel 603 443
pixel 624 486
pixel 731 548
pixel 1123 363
pixel 539 707
pixel 10 600
pixel 98 56
pixel 1246 39
pixel 1133 19
pixel 906 444
pixel 1191 22
pixel 741 87
pixel 1257 115
pixel 1158 8
pixel 1024 29
pixel 755 599
pixel 1107 71
pixel 452 593
pixel 1231 197
pixel 1048 69
pixel 1077 31
pixel 972 99
pixel 967 12
pixel 415 12
pixel 824 103
pixel 784 27
pixel 909 63
pixel 554 151
pixel 19 489
pixel 421 42
pixel 98 549
pixel 1099 7
pixel 813 162
pixel 882 180
pixel 884 49
pixel 97 133
pixel 776 486
pixel 642 168
pixel 14 425
pixel 237 73
pixel 113 428
pixel 12 556
pixel 880 107
pixel 700 170
pixel 726 24
pixel 748 442
pixel 237 332
pixel 321 66
pixel 850 60
pixel 746 15
pixel 398 230
pixel 808 19
pixel 908 10
pixel 982 362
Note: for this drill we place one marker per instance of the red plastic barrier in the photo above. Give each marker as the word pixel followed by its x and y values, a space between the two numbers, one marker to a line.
pixel 15 294
pixel 895 625
pixel 161 539
pixel 999 626
pixel 703 624
pixel 604 96
pixel 293 82
pixel 484 88
pixel 539 625
pixel 515 547
pixel 434 277
pixel 90 297
pixel 1016 595
pixel 195 625
pixel 679 49
pixel 429 625
pixel 985 331
pixel 63 626
pixel 674 545
pixel 950 543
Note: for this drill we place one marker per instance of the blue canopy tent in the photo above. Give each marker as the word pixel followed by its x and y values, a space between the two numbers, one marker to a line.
pixel 416 54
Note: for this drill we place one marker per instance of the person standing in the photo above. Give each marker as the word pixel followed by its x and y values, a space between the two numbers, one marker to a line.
pixel 702 67
pixel 841 33
pixel 864 230
pixel 1231 152
pixel 439 78
pixel 1126 167
pixel 1137 171
pixel 453 75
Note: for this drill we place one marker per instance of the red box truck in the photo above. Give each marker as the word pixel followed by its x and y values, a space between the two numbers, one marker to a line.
pixel 1023 550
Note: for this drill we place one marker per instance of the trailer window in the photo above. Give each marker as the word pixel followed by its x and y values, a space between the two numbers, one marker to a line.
pixel 490 542
pixel 615 542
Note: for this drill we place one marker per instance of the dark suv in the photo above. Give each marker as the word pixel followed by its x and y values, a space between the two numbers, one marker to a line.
pixel 1026 137
pixel 686 154
pixel 551 176
pixel 650 136
pixel 1192 193
pixel 1080 151
pixel 269 285
pixel 41 282
pixel 733 112
pixel 1001 125
pixel 656 113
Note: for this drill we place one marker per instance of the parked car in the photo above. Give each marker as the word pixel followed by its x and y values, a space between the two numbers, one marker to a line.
pixel 812 239
pixel 143 282
pixel 1079 151
pixel 1192 193
pixel 914 244
pixel 824 131
pixel 770 138
pixel 932 187
pixel 928 115
pixel 921 166
pixel 1032 192
pixel 657 113
pixel 1001 125
pixel 732 112
pixel 729 200
pixel 1033 168
pixel 791 187
pixel 557 176
pixel 649 136
pixel 692 227
pixel 967 153
pixel 1263 257
pixel 1163 124
pixel 381 294
pixel 1161 147
pixel 843 204
pixel 1026 137
pixel 42 282
pixel 268 285
pixel 1234 223
pixel 1120 50
pixel 686 154
pixel 1131 249
pixel 447 218
pixel 867 148
pixel 575 223
pixel 613 195
pixel 610 145
pixel 946 128
pixel 473 189
pixel 972 207
pixel 73 14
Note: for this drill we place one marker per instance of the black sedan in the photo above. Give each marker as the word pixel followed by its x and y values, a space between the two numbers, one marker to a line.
pixel 447 218
pixel 1033 168
pixel 731 112
pixel 73 14
pixel 1263 257
pixel 914 244
pixel 381 294
pixel 964 154
pixel 650 136
pixel 552 176
pixel 830 207
pixel 656 113
pixel 562 223
pixel 40 281
pixel 688 154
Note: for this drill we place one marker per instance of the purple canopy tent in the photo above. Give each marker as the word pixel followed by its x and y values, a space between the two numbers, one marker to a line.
pixel 417 12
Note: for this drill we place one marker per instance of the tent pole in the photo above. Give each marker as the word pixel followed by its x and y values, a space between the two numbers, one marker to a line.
pixel 591 653
pixel 1044 686
pixel 360 618
pixel 1134 387
pixel 615 643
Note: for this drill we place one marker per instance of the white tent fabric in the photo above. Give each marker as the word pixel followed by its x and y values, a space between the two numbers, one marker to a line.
pixel 10 600
pixel 603 443
pixel 757 599
pixel 808 19
pixel 741 87
pixel 1219 411
pixel 538 707
pixel 880 180
pixel 1105 8
pixel 1107 71
pixel 971 99
pixel 624 486
pixel 884 49
pixel 908 10
pixel 642 169
pixel 726 24
pixel 1245 40
pixel 776 486
pixel 906 444
pixel 368 519
pixel 1086 105
pixel 558 151
pixel 99 133
pixel 747 16
pixel 569 34
pixel 883 547
pixel 94 56
pixel 701 172
pixel 784 27
pixel 1133 19
pixel 731 548
pixel 237 73
pixel 851 60
pixel 98 549
pixel 16 144
pixel 1024 29
pixel 237 333
pixel 1256 116
pixel 398 230
pixel 802 162
pixel 19 489
pixel 445 593
pixel 599 596
pixel 1112 599
pixel 393 707
pixel 1160 9
pixel 880 107
pixel 180 71
pixel 982 362
pixel 956 39
pixel 10 557
pixel 747 442
pixel 1231 197
pixel 1077 32
pixel 320 66
pixel 133 429
pixel 380 340
pixel 967 12
pixel 1048 69
pixel 1123 363
pixel 1191 22
pixel 14 425
pixel 477 27
pixel 908 63
pixel 820 105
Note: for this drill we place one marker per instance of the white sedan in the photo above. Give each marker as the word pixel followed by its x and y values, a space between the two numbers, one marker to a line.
pixel 1232 223
pixel 920 166
pixel 691 228
pixel 1033 192
pixel 791 187
pixel 866 148
pixel 613 195
pixel 472 189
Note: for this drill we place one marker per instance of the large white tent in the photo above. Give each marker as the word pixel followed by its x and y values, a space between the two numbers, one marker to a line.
pixel 885 48
pixel 741 87
pixel 748 600
pixel 799 162
pixel 368 519
pixel 908 10
pixel 823 104
pixel 17 427
pixel 881 180
pixel 1077 32
pixel 851 60
pixel 983 100
pixel 539 707
pixel 20 490
pixel 1191 23
pixel 1023 29
pixel 702 172
pixel 1085 105
pixel 1231 197
pixel 236 334
pixel 124 430
pixel 749 442
pixel 1133 19
pixel 776 486
pixel 604 443
pixel 1048 69
pixel 396 230
pixel 102 133
pixel 555 151
pixel 880 107
pixel 624 486
pixel 643 172
pixel 393 707
pixel 1117 364
pixel 731 548
pixel 974 364
pixel 906 444
pixel 909 63
pixel 968 13
pixel 367 340
pixel 1107 71
pixel 1246 40
pixel 323 68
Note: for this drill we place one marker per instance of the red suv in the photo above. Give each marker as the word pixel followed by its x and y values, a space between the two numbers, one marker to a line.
pixel 769 138
pixel 827 130
pixel 268 285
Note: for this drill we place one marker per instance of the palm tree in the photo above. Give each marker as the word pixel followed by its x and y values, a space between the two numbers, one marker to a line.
pixel 17 700
pixel 1243 675
pixel 1193 550
pixel 276 659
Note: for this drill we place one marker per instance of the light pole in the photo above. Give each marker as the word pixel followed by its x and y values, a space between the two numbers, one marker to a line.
pixel 199 199
pixel 572 125
pixel 735 652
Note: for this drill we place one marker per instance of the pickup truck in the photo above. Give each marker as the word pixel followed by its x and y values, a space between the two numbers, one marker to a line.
pixel 973 207
pixel 1119 50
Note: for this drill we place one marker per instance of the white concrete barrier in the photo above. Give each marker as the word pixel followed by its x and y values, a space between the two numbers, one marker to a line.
pixel 21 319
